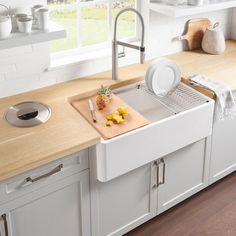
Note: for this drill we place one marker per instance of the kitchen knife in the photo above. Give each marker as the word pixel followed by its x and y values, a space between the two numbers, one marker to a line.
pixel 91 108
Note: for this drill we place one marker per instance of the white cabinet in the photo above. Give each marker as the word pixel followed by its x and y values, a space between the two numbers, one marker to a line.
pixel 124 202
pixel 223 156
pixel 55 203
pixel 182 174
pixel 60 209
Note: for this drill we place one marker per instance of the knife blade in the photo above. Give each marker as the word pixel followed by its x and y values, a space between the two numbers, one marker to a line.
pixel 92 110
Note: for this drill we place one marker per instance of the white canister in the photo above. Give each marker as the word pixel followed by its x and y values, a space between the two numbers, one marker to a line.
pixel 5 23
pixel 5 26
pixel 24 24
pixel 42 16
pixel 175 2
pixel 17 16
pixel 34 9
pixel 195 2
pixel 213 41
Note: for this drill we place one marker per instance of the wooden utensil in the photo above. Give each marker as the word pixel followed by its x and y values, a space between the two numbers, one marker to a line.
pixel 206 91
pixel 195 30
pixel 133 121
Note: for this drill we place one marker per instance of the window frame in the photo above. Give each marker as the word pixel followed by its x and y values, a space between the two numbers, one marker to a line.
pixel 105 46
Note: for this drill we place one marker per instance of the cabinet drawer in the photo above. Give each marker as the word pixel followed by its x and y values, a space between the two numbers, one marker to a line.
pixel 58 209
pixel 42 176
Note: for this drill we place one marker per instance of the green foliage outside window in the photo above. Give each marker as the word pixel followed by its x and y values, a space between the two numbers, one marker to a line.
pixel 88 24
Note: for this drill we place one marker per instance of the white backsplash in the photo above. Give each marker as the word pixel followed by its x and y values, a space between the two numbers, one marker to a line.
pixel 25 68
pixel 164 30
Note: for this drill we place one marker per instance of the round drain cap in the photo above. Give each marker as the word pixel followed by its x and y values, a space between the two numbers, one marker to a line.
pixel 28 114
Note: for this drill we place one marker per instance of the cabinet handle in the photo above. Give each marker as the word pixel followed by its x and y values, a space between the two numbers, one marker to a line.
pixel 163 180
pixel 156 164
pixel 54 171
pixel 4 218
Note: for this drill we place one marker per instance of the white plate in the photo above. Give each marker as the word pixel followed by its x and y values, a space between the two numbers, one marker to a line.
pixel 147 78
pixel 150 70
pixel 165 76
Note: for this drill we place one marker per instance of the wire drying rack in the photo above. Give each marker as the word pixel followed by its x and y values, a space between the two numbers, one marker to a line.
pixel 182 98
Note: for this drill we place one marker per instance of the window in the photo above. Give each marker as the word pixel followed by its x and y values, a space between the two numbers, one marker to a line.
pixel 89 23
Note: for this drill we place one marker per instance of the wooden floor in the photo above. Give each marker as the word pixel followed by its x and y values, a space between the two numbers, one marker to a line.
pixel 212 212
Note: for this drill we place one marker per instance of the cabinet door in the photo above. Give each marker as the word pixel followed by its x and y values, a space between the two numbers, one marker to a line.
pixel 124 202
pixel 223 157
pixel 60 209
pixel 181 174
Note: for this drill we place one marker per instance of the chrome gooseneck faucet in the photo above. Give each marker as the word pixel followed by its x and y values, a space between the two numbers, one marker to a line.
pixel 115 43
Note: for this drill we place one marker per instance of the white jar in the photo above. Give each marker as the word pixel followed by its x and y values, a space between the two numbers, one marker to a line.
pixel 175 2
pixel 5 23
pixel 15 17
pixel 24 24
pixel 5 26
pixel 213 41
pixel 42 16
pixel 34 9
pixel 195 2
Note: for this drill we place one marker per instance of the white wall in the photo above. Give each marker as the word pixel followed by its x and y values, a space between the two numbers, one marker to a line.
pixel 21 68
pixel 164 30
pixel 25 68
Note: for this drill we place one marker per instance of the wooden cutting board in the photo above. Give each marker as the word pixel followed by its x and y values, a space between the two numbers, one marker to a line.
pixel 195 30
pixel 133 121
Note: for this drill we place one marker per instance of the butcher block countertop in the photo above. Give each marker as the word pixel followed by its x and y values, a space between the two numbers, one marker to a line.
pixel 66 132
pixel 221 68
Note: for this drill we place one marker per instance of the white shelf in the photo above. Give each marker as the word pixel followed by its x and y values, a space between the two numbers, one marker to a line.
pixel 17 39
pixel 187 10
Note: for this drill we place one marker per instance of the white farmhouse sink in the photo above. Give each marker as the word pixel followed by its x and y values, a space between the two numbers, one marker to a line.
pixel 178 120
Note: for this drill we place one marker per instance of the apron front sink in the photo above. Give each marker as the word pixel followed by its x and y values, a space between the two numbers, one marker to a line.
pixel 178 120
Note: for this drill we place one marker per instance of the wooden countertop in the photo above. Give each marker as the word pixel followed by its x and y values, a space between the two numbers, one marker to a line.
pixel 221 68
pixel 66 132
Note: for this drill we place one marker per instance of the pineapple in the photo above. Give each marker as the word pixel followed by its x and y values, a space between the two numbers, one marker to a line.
pixel 104 95
pixel 109 123
pixel 101 102
pixel 123 111
pixel 104 90
pixel 117 118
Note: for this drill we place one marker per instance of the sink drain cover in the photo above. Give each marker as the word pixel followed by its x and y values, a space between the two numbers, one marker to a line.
pixel 28 114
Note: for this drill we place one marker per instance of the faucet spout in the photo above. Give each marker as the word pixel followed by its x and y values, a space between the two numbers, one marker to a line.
pixel 142 56
pixel 115 43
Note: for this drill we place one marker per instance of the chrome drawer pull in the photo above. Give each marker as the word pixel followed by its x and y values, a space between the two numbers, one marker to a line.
pixel 163 180
pixel 4 218
pixel 156 164
pixel 160 180
pixel 54 171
